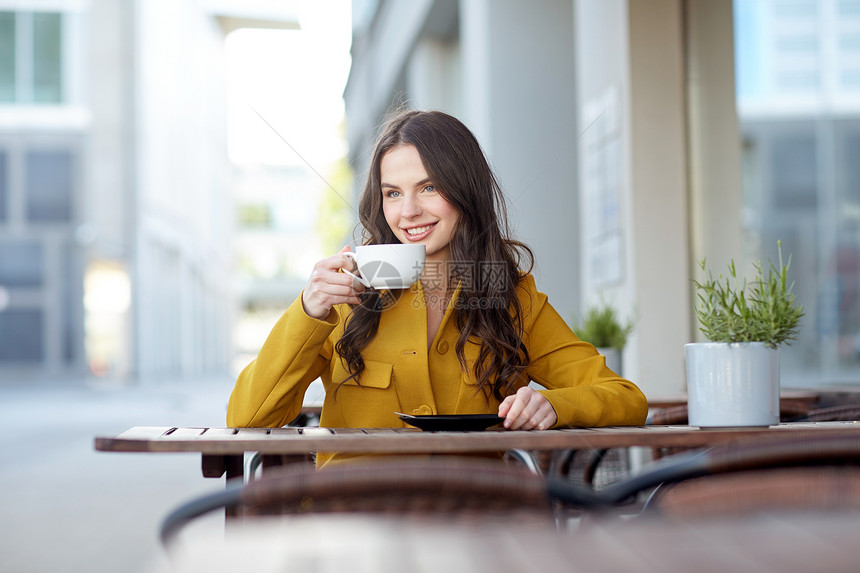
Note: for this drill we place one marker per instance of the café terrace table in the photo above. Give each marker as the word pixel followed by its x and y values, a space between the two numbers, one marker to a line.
pixel 223 449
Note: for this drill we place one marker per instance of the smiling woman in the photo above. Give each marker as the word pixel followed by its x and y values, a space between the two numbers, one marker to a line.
pixel 436 347
pixel 414 209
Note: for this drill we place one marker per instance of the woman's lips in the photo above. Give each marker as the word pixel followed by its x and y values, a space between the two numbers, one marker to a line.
pixel 418 232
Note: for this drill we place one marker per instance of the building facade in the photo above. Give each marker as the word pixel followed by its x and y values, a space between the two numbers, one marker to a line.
pixel 115 188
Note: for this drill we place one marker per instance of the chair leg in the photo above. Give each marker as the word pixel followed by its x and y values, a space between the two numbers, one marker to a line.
pixel 228 499
pixel 251 466
pixel 526 459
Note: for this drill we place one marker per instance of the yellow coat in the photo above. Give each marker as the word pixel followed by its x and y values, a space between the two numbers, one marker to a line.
pixel 403 375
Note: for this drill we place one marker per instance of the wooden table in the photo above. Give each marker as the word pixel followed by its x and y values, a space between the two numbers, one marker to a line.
pixel 373 544
pixel 223 448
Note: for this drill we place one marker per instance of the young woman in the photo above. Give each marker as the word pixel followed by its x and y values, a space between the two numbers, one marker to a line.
pixel 466 339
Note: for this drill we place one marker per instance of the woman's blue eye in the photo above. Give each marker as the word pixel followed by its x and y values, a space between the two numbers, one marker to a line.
pixel 429 188
pixel 393 194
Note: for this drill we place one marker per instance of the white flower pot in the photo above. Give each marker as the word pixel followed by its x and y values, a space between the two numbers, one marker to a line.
pixel 731 385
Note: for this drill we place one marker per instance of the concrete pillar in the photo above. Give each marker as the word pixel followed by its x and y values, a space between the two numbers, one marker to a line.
pixel 656 98
pixel 714 135
pixel 659 244
pixel 519 99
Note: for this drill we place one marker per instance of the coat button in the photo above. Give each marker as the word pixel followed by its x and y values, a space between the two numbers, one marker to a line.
pixel 442 347
pixel 423 410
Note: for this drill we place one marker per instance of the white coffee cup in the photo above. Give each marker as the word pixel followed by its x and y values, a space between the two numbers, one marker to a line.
pixel 390 266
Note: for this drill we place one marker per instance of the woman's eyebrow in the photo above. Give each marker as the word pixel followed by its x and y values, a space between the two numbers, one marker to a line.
pixel 418 184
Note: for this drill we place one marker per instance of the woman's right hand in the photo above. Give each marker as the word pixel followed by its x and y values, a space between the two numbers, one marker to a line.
pixel 328 286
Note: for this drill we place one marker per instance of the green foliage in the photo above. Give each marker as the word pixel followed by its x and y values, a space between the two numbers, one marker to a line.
pixel 602 328
pixel 729 310
pixel 336 217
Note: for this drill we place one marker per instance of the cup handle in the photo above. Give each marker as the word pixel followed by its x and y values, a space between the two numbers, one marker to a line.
pixel 351 255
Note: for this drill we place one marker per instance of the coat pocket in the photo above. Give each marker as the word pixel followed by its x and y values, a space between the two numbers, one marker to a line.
pixel 376 375
pixel 367 402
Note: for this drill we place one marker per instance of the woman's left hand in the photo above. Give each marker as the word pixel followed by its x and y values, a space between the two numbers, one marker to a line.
pixel 527 410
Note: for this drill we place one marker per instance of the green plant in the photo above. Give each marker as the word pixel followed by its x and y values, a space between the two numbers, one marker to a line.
pixel 602 328
pixel 730 310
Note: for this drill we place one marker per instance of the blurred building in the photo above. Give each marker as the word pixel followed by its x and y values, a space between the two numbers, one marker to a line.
pixel 275 248
pixel 611 124
pixel 799 104
pixel 115 189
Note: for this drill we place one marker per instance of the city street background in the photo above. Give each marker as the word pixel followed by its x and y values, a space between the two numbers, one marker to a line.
pixel 69 508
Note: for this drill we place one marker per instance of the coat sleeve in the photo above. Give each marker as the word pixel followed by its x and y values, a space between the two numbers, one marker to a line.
pixel 270 390
pixel 583 391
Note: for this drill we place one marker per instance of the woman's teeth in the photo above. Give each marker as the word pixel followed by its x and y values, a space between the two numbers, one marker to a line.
pixel 418 230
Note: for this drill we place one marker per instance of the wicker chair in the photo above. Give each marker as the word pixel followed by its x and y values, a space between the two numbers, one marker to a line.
pixel 789 411
pixel 730 459
pixel 845 413
pixel 767 490
pixel 594 468
pixel 418 487
pixel 601 467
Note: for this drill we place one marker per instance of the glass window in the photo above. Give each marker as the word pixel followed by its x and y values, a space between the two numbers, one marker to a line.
pixel 47 69
pixel 848 161
pixel 4 186
pixel 798 43
pixel 795 9
pixel 798 80
pixel 7 56
pixel 21 265
pixel 31 63
pixel 21 333
pixel 71 304
pixel 848 8
pixel 802 177
pixel 849 42
pixel 794 170
pixel 851 80
pixel 841 277
pixel 49 186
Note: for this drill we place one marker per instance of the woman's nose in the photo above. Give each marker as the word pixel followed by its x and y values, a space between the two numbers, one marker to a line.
pixel 411 206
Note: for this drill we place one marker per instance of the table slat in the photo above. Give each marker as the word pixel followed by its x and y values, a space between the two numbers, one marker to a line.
pixel 252 432
pixel 398 440
pixel 316 432
pixel 146 432
pixel 184 433
pixel 288 431
pixel 219 432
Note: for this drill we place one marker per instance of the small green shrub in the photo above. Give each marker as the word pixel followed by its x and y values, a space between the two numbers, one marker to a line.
pixel 729 310
pixel 602 328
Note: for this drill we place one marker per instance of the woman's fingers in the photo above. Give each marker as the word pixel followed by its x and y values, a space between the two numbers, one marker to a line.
pixel 327 286
pixel 527 410
pixel 516 409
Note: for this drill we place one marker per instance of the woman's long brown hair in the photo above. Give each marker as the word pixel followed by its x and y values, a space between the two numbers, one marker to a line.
pixel 484 259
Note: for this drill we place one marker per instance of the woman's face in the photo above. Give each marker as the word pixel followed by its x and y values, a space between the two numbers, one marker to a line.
pixel 414 208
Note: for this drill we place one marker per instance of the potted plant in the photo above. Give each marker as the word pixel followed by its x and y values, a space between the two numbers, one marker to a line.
pixel 733 380
pixel 602 328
